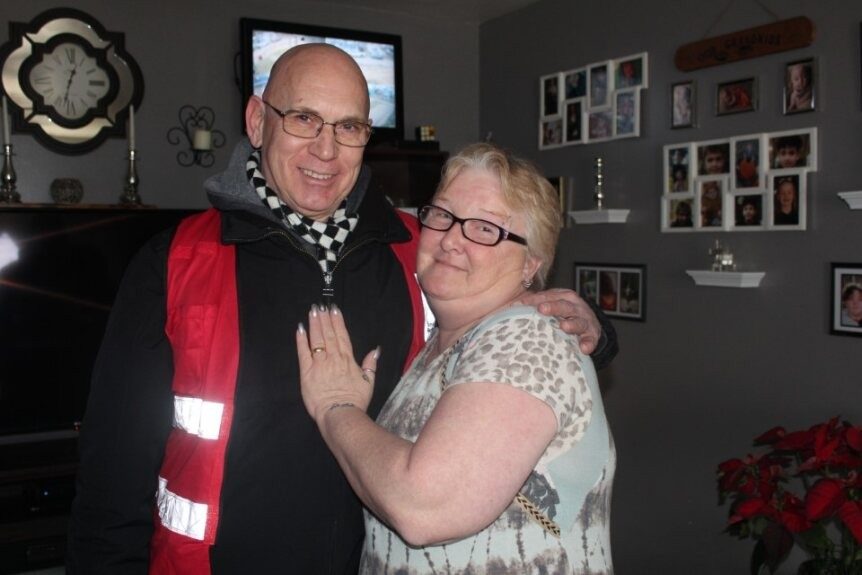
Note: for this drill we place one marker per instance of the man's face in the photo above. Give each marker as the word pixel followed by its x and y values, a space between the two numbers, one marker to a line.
pixel 854 305
pixel 788 157
pixel 312 176
pixel 713 162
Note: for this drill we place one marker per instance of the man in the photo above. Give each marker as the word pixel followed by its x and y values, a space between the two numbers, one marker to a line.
pixel 195 398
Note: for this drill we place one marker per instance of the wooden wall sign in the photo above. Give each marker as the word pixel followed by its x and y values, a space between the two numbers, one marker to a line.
pixel 750 43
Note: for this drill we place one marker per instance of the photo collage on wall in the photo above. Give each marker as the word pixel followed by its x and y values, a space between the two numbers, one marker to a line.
pixel 594 103
pixel 756 182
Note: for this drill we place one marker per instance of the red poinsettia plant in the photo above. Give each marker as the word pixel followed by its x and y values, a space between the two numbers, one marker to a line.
pixel 805 490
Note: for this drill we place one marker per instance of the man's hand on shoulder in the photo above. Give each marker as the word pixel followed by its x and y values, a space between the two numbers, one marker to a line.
pixel 576 317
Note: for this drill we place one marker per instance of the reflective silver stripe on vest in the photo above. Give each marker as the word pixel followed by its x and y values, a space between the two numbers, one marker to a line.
pixel 198 417
pixel 181 515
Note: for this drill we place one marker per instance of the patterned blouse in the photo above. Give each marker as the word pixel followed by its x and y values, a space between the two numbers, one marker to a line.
pixel 571 483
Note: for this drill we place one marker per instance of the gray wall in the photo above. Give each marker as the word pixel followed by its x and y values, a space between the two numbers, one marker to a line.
pixel 186 48
pixel 711 367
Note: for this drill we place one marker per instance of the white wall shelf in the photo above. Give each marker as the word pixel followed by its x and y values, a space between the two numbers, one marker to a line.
pixel 600 216
pixel 726 279
pixel 853 199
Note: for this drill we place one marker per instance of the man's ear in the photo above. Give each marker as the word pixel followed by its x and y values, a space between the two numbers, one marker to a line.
pixel 254 115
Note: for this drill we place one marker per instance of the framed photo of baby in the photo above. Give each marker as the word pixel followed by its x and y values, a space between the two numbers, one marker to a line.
pixel 800 85
pixel 846 299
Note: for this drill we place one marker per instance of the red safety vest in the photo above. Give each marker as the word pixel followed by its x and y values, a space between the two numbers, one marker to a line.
pixel 203 330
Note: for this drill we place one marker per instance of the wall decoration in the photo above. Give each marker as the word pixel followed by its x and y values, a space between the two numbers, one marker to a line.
pixel 574 122
pixel 600 85
pixel 800 86
pixel 793 149
pixel 593 103
pixel 631 72
pixel 683 101
pixel 746 152
pixel 753 182
pixel 736 96
pixel 749 43
pixel 713 157
pixel 627 113
pixel 618 289
pixel 788 203
pixel 70 79
pixel 846 298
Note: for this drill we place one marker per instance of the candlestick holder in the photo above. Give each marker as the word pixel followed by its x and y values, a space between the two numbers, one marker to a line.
pixel 599 195
pixel 8 193
pixel 130 195
pixel 197 135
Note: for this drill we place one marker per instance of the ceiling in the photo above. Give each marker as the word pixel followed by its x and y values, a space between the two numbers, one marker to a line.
pixel 477 11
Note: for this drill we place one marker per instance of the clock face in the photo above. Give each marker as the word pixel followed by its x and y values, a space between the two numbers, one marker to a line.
pixel 70 82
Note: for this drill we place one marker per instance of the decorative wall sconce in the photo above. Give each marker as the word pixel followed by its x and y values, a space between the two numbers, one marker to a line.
pixel 196 132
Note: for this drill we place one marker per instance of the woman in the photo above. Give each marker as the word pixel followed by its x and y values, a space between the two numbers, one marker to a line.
pixel 493 453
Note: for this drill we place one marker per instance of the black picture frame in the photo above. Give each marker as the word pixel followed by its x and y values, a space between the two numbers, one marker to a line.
pixel 804 71
pixel 683 104
pixel 620 290
pixel 846 292
pixel 736 96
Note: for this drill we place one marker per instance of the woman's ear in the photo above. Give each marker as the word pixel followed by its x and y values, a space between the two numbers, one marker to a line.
pixel 531 267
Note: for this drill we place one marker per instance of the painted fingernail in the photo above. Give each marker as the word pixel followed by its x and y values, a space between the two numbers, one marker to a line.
pixel 300 328
pixel 314 310
pixel 334 309
pixel 377 352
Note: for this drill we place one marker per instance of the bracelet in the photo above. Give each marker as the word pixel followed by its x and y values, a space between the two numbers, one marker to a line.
pixel 343 404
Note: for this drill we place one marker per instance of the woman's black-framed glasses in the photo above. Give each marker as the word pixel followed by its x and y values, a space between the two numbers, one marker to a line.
pixel 351 133
pixel 477 231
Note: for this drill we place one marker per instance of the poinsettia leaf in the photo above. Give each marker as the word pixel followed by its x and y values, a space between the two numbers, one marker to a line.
pixel 758 558
pixel 795 440
pixel 853 436
pixel 770 437
pixel 777 543
pixel 850 513
pixel 750 508
pixel 794 521
pixel 823 499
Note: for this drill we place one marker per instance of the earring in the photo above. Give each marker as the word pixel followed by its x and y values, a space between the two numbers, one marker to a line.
pixel 527 283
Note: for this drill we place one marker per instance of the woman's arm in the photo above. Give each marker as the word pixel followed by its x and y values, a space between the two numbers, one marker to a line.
pixel 468 463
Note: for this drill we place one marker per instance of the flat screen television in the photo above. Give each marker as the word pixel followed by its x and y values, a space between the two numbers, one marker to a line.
pixel 378 55
pixel 59 274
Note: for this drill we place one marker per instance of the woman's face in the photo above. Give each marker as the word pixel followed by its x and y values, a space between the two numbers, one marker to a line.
pixel 452 268
pixel 786 195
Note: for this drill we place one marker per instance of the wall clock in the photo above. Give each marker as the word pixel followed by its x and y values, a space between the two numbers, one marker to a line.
pixel 71 81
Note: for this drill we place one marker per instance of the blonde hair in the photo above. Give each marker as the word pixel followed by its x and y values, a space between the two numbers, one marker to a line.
pixel 525 190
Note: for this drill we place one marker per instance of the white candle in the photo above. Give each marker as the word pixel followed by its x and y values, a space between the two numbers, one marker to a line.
pixel 6 137
pixel 131 127
pixel 203 140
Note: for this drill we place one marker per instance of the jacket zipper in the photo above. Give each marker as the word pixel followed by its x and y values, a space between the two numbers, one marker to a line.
pixel 328 291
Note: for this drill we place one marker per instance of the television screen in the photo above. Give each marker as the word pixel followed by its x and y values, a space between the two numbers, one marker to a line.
pixel 378 55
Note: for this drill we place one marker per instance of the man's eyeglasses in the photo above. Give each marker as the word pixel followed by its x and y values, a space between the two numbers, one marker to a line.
pixel 308 125
pixel 478 231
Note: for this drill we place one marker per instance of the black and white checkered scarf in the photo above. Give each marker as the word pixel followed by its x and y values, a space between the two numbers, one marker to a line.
pixel 328 236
